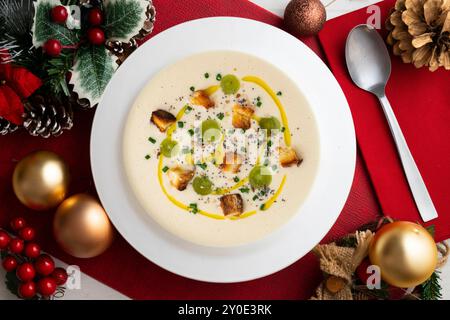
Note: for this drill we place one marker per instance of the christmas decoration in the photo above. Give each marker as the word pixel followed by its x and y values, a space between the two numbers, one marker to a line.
pixel 405 252
pixel 29 276
pixel 304 17
pixel 345 264
pixel 420 32
pixel 40 180
pixel 50 40
pixel 81 227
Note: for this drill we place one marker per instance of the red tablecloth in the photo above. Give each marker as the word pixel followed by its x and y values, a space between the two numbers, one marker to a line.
pixel 121 267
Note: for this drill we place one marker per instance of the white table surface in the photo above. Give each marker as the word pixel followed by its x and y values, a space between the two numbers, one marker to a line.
pixel 93 289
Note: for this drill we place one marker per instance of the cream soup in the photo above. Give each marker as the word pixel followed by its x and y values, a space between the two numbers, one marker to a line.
pixel 221 148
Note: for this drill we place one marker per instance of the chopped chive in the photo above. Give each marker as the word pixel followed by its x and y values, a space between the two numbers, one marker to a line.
pixel 279 93
pixel 152 140
pixel 261 207
pixel 180 124
pixel 193 208
pixel 255 197
pixel 269 143
pixel 188 109
pixel 219 77
pixel 202 165
pixel 220 116
pixel 207 75
pixel 283 129
pixel 244 190
pixel 165 169
pixel 258 98
pixel 192 88
pixel 266 162
pixel 191 132
pixel 147 157
pixel 236 179
pixel 259 104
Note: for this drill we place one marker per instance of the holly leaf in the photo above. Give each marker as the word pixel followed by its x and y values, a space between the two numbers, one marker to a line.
pixel 44 29
pixel 124 18
pixel 94 67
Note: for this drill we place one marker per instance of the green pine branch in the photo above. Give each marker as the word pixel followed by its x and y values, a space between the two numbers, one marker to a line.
pixel 431 289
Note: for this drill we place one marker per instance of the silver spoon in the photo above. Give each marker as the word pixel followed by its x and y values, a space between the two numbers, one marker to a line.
pixel 369 66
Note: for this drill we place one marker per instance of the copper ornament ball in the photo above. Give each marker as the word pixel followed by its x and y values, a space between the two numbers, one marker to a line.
pixel 81 227
pixel 40 180
pixel 405 252
pixel 304 17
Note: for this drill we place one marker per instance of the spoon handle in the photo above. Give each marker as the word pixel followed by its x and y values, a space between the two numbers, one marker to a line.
pixel 417 185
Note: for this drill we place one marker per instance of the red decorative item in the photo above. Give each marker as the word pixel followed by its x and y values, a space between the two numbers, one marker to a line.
pixel 32 250
pixel 95 17
pixel 4 239
pixel 16 245
pixel 27 290
pixel 96 36
pixel 59 14
pixel 60 276
pixel 46 286
pixel 16 83
pixel 53 47
pixel 27 233
pixel 25 272
pixel 17 224
pixel 9 264
pixel 44 265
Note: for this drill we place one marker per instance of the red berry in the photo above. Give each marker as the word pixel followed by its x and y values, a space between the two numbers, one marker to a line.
pixel 27 233
pixel 4 239
pixel 59 14
pixel 96 36
pixel 53 47
pixel 16 245
pixel 25 272
pixel 9 263
pixel 46 286
pixel 32 250
pixel 95 17
pixel 18 223
pixel 60 276
pixel 44 265
pixel 27 290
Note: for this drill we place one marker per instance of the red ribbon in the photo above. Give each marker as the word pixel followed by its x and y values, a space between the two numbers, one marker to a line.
pixel 16 84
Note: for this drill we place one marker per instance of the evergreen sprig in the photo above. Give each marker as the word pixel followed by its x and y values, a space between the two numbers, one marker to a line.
pixel 431 289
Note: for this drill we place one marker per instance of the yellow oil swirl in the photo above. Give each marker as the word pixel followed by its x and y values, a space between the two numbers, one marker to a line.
pixel 211 90
pixel 272 200
pixel 260 82
pixel 222 191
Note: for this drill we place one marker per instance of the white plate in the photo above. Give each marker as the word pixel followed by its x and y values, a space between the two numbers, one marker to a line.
pixel 326 198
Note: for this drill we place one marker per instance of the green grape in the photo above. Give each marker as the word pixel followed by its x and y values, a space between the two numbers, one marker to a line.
pixel 230 84
pixel 169 148
pixel 269 124
pixel 260 176
pixel 211 130
pixel 202 185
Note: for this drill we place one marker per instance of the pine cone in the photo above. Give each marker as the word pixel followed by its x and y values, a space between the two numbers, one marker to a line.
pixel 45 116
pixel 6 127
pixel 420 32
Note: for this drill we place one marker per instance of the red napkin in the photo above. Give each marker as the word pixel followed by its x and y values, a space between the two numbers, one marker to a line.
pixel 121 267
pixel 421 102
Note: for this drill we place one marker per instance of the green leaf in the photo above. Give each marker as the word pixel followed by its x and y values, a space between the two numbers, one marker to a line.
pixel 124 18
pixel 44 29
pixel 93 69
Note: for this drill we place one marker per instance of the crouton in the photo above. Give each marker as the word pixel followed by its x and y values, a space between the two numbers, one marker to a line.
pixel 242 116
pixel 179 177
pixel 231 162
pixel 162 119
pixel 201 98
pixel 232 205
pixel 288 157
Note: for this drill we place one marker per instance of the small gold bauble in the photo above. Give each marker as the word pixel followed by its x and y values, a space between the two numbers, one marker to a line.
pixel 405 252
pixel 81 227
pixel 40 180
pixel 304 17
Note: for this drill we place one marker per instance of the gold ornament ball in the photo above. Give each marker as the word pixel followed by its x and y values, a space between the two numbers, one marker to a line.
pixel 405 252
pixel 40 180
pixel 81 227
pixel 305 17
